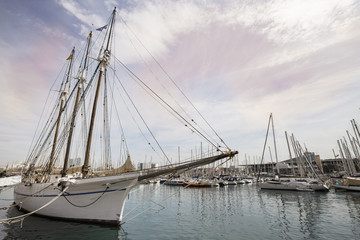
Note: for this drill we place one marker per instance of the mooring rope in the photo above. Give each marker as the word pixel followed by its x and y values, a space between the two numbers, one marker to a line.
pixel 6 189
pixel 22 217
pixel 20 203
pixel 144 200
pixel 7 207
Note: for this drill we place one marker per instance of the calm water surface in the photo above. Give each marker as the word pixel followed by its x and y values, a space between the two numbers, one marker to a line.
pixel 233 212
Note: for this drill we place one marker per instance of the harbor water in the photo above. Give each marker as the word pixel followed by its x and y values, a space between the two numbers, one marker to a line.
pixel 157 211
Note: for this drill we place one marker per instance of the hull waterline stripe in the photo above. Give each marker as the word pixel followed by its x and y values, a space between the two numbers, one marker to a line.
pixel 69 194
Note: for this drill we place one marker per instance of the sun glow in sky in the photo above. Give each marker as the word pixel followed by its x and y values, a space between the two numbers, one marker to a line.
pixel 238 61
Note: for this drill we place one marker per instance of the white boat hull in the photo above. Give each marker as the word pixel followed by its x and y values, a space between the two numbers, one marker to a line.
pixel 347 188
pixel 293 186
pixel 99 200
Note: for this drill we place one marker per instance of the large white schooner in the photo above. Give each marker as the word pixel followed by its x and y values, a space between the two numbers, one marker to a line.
pixel 53 182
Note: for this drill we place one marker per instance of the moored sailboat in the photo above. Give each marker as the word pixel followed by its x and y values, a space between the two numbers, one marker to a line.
pixel 53 184
pixel 293 184
pixel 349 184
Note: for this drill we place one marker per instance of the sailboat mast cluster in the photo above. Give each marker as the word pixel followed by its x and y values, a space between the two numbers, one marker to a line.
pixel 72 150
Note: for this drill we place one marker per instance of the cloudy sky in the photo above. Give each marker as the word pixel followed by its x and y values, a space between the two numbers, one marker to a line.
pixel 238 61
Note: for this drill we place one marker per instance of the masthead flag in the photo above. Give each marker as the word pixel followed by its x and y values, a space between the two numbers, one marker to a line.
pixel 102 28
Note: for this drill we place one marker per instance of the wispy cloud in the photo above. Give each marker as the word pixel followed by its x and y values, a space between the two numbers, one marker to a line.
pixel 237 60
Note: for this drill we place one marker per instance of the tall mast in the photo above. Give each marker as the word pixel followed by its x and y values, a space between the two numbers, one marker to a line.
pixel 103 63
pixel 356 130
pixel 81 82
pixel 276 157
pixel 62 100
pixel 291 160
pixel 263 152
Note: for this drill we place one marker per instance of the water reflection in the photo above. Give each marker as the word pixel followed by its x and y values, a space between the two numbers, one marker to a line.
pixel 310 215
pixel 352 200
pixel 42 228
pixel 233 212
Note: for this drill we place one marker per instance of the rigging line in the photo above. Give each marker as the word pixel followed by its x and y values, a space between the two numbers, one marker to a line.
pixel 301 157
pixel 112 77
pixel 38 145
pixel 263 152
pixel 143 120
pixel 168 92
pixel 156 204
pixel 22 217
pixel 123 140
pixel 133 118
pixel 309 163
pixel 65 105
pixel 174 165
pixel 80 69
pixel 158 80
pixel 223 162
pixel 59 145
pixel 144 200
pixel 58 148
pixel 176 102
pixel 62 139
pixel 161 103
pixel 121 127
pixel 83 121
pixel 137 124
pixel 111 86
pixel 30 153
pixel 106 126
pixel 41 143
pixel 44 130
pixel 41 115
pixel 273 132
pixel 108 21
pixel 54 124
pixel 166 104
pixel 97 150
pixel 177 116
pixel 174 83
pixel 299 161
pixel 117 114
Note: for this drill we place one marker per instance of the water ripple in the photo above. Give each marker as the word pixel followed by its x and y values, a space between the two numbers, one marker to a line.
pixel 233 212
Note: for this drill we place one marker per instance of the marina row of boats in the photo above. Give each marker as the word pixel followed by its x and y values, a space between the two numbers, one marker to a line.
pixel 287 184
pixel 200 182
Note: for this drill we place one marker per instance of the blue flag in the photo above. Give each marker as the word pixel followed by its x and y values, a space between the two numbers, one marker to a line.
pixel 101 28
